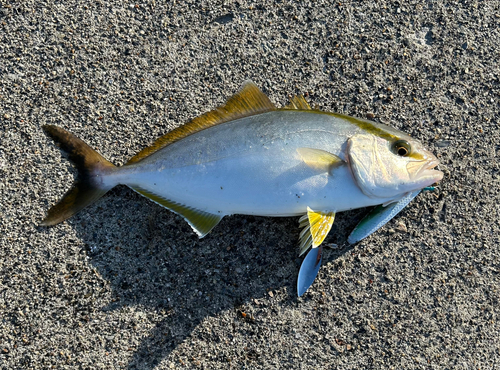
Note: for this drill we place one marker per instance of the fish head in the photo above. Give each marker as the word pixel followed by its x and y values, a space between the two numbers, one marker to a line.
pixel 390 165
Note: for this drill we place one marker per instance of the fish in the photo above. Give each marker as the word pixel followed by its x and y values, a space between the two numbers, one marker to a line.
pixel 249 157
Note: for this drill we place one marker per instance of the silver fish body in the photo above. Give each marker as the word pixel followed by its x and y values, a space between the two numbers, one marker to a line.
pixel 251 166
pixel 248 157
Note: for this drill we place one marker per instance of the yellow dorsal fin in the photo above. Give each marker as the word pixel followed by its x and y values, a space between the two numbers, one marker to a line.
pixel 318 159
pixel 316 225
pixel 298 102
pixel 248 101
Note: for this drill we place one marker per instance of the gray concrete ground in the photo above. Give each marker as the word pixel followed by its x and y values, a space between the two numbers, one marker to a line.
pixel 127 284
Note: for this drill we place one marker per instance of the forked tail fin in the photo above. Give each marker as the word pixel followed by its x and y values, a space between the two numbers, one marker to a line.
pixel 88 186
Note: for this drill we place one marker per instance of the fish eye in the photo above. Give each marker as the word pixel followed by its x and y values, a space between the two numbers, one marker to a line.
pixel 401 148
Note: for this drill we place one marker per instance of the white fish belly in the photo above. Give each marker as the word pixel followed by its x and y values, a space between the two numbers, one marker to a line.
pixel 265 185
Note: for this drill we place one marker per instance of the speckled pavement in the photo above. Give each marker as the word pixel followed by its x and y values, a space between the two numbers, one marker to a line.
pixel 127 285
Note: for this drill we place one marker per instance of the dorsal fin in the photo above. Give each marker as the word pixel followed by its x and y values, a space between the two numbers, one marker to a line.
pixel 248 101
pixel 298 102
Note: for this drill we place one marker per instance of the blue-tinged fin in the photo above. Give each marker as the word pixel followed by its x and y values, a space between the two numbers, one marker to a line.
pixel 202 222
pixel 318 159
pixel 309 270
pixel 316 226
pixel 378 217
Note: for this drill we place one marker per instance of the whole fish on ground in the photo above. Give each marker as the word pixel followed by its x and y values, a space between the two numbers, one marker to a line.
pixel 249 157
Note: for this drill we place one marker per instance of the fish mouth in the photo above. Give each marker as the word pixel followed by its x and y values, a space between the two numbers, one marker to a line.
pixel 427 174
pixel 431 164
pixel 425 171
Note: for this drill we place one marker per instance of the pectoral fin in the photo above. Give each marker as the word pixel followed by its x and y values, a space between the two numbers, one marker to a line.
pixel 378 217
pixel 318 159
pixel 316 225
pixel 201 222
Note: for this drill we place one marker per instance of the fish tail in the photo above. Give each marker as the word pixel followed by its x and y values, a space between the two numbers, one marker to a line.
pixel 89 185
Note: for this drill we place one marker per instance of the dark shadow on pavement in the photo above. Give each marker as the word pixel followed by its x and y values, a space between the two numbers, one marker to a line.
pixel 152 258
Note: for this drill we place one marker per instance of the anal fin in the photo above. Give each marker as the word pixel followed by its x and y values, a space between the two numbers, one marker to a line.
pixel 202 222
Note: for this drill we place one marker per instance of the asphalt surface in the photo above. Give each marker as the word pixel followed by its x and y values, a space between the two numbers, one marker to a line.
pixel 128 285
